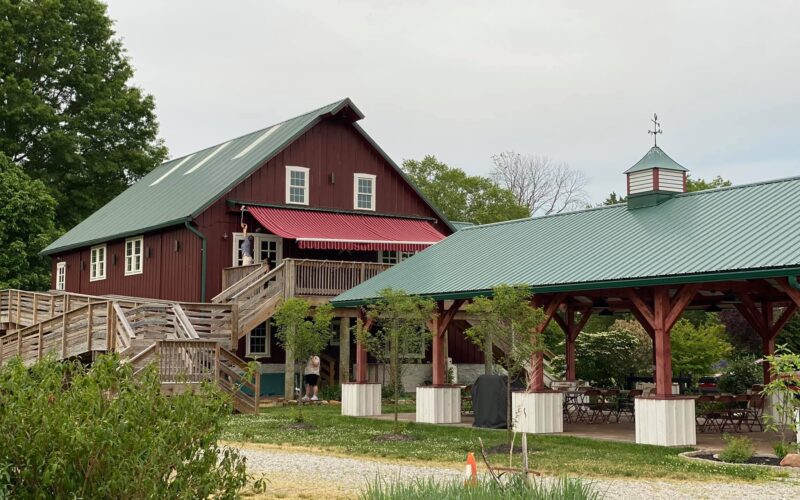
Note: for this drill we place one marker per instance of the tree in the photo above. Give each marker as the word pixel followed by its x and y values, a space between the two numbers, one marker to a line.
pixel 782 390
pixel 614 199
pixel 26 212
pixel 696 349
pixel 463 197
pixel 540 184
pixel 740 375
pixel 69 115
pixel 606 358
pixel 300 336
pixel 702 184
pixel 508 321
pixel 400 328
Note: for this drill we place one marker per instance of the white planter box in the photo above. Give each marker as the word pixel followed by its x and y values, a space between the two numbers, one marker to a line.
pixel 361 400
pixel 665 422
pixel 439 405
pixel 537 412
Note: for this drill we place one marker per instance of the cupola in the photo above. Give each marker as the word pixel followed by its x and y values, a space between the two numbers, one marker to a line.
pixel 656 177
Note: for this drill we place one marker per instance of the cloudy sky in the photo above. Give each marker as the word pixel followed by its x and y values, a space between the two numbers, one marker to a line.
pixel 577 81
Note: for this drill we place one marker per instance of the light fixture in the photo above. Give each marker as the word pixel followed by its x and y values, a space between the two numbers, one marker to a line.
pixel 713 308
pixel 606 312
pixel 225 236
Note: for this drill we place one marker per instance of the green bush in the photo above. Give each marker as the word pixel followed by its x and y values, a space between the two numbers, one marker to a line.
pixel 782 449
pixel 512 489
pixel 740 375
pixel 331 392
pixel 70 432
pixel 738 449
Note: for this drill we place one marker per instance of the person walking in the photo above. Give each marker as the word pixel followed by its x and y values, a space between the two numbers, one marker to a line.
pixel 311 373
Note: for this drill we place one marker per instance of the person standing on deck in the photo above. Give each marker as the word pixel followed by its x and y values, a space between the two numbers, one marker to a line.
pixel 247 247
pixel 311 373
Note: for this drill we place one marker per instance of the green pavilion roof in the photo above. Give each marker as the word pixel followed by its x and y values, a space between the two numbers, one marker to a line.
pixel 180 189
pixel 728 233
pixel 656 158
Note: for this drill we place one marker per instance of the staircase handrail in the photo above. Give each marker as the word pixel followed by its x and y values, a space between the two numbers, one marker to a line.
pixel 182 324
pixel 124 332
pixel 258 282
pixel 228 293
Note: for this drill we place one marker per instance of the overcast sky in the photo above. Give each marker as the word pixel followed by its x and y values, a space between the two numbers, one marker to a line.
pixel 577 81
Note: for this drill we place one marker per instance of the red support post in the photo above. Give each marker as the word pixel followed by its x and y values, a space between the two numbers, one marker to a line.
pixel 662 344
pixel 437 351
pixel 361 352
pixel 536 383
pixel 570 345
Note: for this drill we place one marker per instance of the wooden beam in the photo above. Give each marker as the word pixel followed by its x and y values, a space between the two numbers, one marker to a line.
pixel 785 287
pixel 446 316
pixel 663 350
pixel 536 383
pixel 361 351
pixel 643 313
pixel 784 318
pixel 751 313
pixel 682 299
pixel 585 315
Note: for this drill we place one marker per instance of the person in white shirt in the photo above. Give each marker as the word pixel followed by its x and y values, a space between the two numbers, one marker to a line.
pixel 311 373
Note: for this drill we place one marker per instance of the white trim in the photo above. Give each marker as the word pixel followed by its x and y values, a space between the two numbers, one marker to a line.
pixel 133 271
pixel 61 276
pixel 371 178
pixel 257 142
pixel 204 160
pixel 104 260
pixel 267 342
pixel 257 239
pixel 305 171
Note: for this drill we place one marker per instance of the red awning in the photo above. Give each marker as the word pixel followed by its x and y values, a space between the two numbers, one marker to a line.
pixel 338 231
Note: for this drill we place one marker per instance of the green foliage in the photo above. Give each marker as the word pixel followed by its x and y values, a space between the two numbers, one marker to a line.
pixel 463 197
pixel 738 449
pixel 790 334
pixel 606 358
pixel 740 375
pixel 783 448
pixel 70 117
pixel 784 369
pixel 332 392
pixel 400 327
pixel 693 185
pixel 696 349
pixel 614 199
pixel 27 212
pixel 512 489
pixel 508 321
pixel 101 433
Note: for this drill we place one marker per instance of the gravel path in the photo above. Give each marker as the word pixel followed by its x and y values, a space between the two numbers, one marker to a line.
pixel 312 475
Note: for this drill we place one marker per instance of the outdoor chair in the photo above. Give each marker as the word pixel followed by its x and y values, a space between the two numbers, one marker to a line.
pixel 626 405
pixel 741 403
pixel 705 413
pixel 754 413
pixel 726 412
pixel 593 405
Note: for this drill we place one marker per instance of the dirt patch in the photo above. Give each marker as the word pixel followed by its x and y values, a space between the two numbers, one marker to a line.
pixel 755 460
pixel 393 438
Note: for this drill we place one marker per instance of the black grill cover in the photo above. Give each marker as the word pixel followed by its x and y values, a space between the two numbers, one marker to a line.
pixel 489 401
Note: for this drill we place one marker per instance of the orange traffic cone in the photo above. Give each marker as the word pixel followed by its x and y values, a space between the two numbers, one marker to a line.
pixel 471 470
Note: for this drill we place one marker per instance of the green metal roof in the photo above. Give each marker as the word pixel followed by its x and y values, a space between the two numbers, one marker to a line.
pixel 461 225
pixel 656 158
pixel 728 233
pixel 181 189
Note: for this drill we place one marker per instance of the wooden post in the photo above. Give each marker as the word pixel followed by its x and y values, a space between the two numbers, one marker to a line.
pixel 19 342
pixel 437 350
pixel 89 325
pixel 764 323
pixel 361 351
pixel 662 343
pixel 41 340
pixel 64 336
pixel 536 383
pixel 35 308
pixel 344 350
pixel 19 310
pixel 570 344
pixel 234 326
pixel 111 331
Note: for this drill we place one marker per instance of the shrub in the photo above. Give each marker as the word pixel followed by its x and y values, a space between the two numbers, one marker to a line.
pixel 738 449
pixel 331 392
pixel 512 489
pixel 782 449
pixel 77 433
pixel 740 375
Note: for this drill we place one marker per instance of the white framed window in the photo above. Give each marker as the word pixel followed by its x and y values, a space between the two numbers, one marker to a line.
pixel 364 192
pixel 97 263
pixel 61 276
pixel 258 340
pixel 297 185
pixel 266 248
pixel 133 255
pixel 393 256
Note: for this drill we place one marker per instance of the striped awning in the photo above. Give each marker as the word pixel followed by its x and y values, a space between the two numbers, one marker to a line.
pixel 346 231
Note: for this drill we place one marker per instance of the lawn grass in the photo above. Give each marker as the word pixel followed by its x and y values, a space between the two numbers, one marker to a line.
pixel 556 455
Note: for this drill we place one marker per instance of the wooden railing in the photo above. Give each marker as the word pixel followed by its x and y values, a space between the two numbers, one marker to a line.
pixel 255 302
pixel 21 308
pixel 187 361
pixel 231 379
pixel 232 275
pixel 328 278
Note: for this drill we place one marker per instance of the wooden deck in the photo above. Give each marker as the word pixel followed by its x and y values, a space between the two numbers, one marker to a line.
pixel 190 342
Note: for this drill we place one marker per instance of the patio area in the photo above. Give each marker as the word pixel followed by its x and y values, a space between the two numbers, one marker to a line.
pixel 617 431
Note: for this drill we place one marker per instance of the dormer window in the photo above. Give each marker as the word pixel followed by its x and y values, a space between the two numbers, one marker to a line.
pixel 364 192
pixel 297 185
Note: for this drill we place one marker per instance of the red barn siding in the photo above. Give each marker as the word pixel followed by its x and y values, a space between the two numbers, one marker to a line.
pixel 330 147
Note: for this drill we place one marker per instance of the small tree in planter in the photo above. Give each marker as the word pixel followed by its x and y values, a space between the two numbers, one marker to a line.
pixel 509 321
pixel 400 328
pixel 784 386
pixel 302 333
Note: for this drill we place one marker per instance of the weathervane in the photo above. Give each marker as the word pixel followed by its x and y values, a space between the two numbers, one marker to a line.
pixel 656 129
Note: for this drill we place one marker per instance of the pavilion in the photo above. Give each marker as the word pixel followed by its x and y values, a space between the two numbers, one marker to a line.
pixel 658 254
